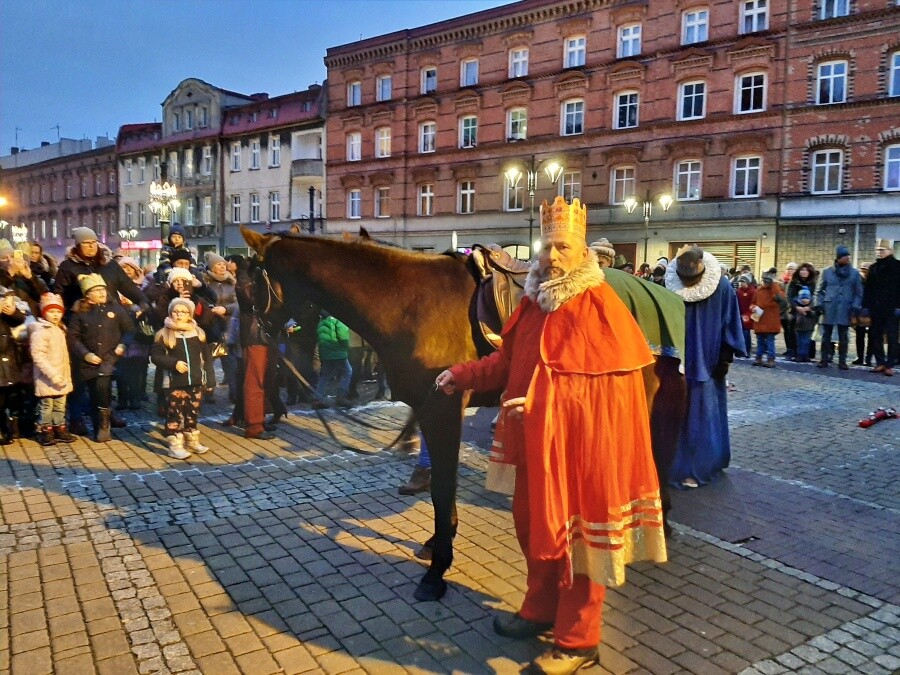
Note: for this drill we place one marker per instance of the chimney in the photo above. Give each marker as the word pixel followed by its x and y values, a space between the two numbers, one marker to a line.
pixel 262 96
pixel 44 144
pixel 14 150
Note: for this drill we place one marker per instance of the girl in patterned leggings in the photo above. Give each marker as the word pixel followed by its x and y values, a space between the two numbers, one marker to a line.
pixel 178 348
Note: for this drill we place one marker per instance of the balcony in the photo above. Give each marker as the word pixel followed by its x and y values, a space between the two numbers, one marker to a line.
pixel 301 168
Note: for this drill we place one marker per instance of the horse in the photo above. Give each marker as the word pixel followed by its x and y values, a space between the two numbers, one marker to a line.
pixel 414 309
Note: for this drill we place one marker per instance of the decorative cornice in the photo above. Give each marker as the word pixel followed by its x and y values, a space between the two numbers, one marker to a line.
pixel 380 115
pixel 746 143
pixel 571 82
pixel 381 178
pixel 468 50
pixel 467 170
pixel 467 101
pixel 517 92
pixel 623 154
pixel 826 140
pixel 751 50
pixel 425 108
pixel 350 120
pixel 352 180
pixel 686 147
pixel 425 174
pixel 691 61
pixel 629 13
pixel 430 57
pixel 626 70
pixel 520 38
pixel 889 135
pixel 575 26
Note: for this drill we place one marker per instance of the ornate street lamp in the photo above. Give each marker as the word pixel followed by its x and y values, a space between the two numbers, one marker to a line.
pixel 127 235
pixel 514 175
pixel 163 200
pixel 665 200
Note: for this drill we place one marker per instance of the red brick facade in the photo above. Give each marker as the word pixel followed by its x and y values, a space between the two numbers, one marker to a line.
pixel 747 54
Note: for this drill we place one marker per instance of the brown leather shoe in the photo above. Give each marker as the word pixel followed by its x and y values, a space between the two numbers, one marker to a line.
pixel 559 661
pixel 420 481
pixel 878 369
pixel 514 626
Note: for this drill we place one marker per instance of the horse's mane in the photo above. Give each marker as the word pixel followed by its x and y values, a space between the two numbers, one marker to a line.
pixel 395 251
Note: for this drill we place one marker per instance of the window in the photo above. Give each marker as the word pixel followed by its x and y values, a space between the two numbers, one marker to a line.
pixel 427 133
pixel 629 41
pixel 621 184
pixel 754 15
pixel 572 118
pixel 69 188
pixel 751 93
pixel 354 93
pixel 206 165
pixel 142 171
pixel 176 122
pixel 687 180
pixel 695 26
pixel 468 131
pixel 516 124
pixel 429 79
pixel 235 209
pixel 691 100
pixel 383 142
pixel 207 210
pixel 273 113
pixel 518 62
pixel 236 156
pixel 204 116
pixel 274 151
pixel 832 9
pixel 831 83
pixel 626 115
pixel 892 167
pixel 382 202
pixel 354 204
pixel 254 154
pixel 156 171
pixel 84 186
pixel 189 212
pixel 129 217
pixel 746 177
pixel 383 88
pixel 354 146
pixel 513 196
pixel 127 177
pixel 172 168
pixel 574 52
pixel 570 185
pixel 826 172
pixel 98 184
pixel 468 73
pixel 465 197
pixel 254 208
pixel 189 118
pixel 894 75
pixel 425 205
pixel 274 207
pixel 111 182
pixel 189 162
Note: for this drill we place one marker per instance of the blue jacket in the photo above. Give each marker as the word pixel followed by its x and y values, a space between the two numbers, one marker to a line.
pixel 839 295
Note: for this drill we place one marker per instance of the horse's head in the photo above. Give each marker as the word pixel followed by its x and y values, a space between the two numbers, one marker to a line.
pixel 268 294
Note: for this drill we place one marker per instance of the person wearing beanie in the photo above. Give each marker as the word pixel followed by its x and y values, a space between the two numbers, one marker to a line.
pixel 179 351
pixel 838 298
pixel 882 305
pixel 805 276
pixel 606 254
pixel 766 314
pixel 52 370
pixel 176 241
pixel 713 336
pixel 805 324
pixel 100 331
pixel 88 256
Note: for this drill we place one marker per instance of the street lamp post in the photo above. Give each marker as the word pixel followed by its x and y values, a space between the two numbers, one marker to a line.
pixel 514 175
pixel 665 200
pixel 127 235
pixel 163 200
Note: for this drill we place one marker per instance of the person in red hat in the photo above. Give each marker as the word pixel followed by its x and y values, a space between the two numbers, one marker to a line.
pixel 52 370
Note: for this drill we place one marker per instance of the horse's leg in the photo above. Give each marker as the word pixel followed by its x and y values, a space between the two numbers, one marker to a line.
pixel 666 392
pixel 442 428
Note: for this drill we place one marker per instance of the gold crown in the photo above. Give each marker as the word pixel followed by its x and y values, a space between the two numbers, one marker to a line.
pixel 560 217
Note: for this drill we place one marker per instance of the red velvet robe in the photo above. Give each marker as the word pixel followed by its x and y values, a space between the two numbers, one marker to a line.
pixel 593 492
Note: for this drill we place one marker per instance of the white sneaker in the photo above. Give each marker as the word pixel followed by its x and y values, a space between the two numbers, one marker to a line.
pixel 176 447
pixel 192 442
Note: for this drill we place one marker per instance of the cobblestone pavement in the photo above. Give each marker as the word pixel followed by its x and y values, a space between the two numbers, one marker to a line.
pixel 295 555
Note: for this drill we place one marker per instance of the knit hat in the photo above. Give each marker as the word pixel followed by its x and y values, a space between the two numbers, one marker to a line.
pixel 126 261
pixel 689 265
pixel 181 254
pixel 791 266
pixel 745 278
pixel 841 252
pixel 83 234
pixel 769 276
pixel 663 261
pixel 182 301
pixel 89 281
pixel 5 247
pixel 804 294
pixel 179 273
pixel 212 258
pixel 176 228
pixel 604 249
pixel 51 301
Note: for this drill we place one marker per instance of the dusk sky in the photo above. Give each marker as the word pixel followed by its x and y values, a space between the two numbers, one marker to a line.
pixel 91 66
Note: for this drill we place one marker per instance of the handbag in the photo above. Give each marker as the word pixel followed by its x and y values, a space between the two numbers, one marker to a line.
pixel 218 349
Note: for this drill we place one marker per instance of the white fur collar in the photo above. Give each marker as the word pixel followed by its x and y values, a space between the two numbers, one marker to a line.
pixel 704 288
pixel 552 294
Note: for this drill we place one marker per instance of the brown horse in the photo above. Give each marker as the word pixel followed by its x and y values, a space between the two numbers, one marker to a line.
pixel 413 308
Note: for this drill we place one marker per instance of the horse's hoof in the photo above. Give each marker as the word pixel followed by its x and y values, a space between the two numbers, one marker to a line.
pixel 428 592
pixel 424 553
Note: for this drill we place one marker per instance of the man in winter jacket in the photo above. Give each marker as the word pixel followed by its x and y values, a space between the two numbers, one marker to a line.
pixel 334 348
pixel 838 297
pixel 882 302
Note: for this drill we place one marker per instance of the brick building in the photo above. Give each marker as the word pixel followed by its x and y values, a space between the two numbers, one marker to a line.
pixel 773 128
pixel 58 187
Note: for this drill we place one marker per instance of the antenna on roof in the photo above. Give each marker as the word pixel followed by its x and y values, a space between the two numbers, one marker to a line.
pixel 57 131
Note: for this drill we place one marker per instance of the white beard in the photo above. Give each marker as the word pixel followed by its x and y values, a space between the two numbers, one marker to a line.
pixel 551 294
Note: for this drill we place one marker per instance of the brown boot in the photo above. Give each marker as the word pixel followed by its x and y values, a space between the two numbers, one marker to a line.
pixel 758 361
pixel 770 363
pixel 420 481
pixel 62 434
pixel 45 436
pixel 103 433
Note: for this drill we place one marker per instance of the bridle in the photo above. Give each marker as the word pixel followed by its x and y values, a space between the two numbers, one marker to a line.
pixel 273 299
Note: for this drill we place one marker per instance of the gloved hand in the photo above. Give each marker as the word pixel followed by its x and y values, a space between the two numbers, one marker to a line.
pixel 720 370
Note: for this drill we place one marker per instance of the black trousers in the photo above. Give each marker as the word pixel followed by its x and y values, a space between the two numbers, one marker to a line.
pixel 884 327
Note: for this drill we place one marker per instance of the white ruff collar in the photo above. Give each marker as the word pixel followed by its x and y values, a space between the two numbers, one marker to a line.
pixel 553 293
pixel 704 288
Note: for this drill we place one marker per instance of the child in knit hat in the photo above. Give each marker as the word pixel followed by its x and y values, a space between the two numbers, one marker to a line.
pixel 804 324
pixel 52 371
pixel 179 349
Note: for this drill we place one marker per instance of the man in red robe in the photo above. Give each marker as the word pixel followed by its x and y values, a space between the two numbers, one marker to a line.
pixel 572 443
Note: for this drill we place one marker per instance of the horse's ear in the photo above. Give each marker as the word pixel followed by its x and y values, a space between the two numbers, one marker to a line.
pixel 364 234
pixel 258 242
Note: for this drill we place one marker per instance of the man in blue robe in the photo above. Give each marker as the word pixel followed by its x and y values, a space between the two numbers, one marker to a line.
pixel 714 334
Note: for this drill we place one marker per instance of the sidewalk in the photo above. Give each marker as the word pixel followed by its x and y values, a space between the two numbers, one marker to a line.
pixel 296 556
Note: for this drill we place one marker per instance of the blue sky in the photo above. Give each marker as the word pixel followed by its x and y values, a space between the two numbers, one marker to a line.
pixel 92 65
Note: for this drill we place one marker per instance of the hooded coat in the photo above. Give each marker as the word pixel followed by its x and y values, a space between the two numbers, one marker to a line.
pixel 66 283
pixel 50 355
pixel 839 295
